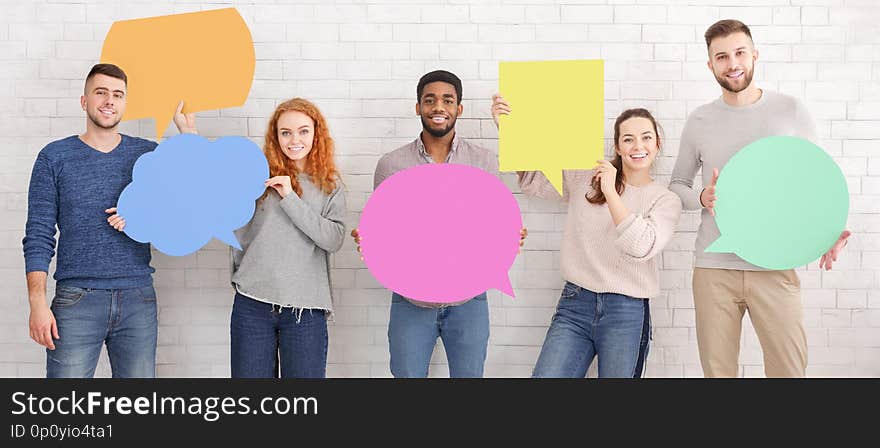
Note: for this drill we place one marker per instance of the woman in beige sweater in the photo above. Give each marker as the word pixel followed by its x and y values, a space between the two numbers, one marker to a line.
pixel 619 219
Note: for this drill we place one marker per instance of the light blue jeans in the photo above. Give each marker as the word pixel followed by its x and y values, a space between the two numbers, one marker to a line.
pixel 124 319
pixel 615 327
pixel 413 331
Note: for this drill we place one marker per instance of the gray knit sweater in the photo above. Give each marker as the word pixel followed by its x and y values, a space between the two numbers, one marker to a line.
pixel 713 133
pixel 285 248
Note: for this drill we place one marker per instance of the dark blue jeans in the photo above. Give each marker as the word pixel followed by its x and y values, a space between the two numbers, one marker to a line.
pixel 615 327
pixel 124 319
pixel 266 337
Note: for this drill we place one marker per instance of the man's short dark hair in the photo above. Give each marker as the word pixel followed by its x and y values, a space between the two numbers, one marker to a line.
pixel 724 28
pixel 439 76
pixel 110 70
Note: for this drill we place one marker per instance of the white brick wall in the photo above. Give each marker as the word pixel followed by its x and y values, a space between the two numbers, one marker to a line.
pixel 360 61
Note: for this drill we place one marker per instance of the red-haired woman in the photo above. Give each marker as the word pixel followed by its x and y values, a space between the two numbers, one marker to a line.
pixel 281 275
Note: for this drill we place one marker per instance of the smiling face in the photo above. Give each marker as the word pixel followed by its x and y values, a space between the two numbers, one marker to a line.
pixel 296 133
pixel 104 101
pixel 439 108
pixel 732 61
pixel 638 144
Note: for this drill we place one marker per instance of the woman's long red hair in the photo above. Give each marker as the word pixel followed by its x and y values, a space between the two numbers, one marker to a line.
pixel 319 162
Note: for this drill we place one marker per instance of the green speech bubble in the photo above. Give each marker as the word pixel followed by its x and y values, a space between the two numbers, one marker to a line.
pixel 782 203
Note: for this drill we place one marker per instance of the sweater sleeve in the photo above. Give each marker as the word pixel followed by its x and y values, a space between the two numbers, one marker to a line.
pixel 327 228
pixel 42 217
pixel 536 184
pixel 234 260
pixel 644 236
pixel 806 125
pixel 383 171
pixel 686 166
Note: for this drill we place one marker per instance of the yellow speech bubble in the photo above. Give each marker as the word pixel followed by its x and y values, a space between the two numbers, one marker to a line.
pixel 557 118
pixel 204 58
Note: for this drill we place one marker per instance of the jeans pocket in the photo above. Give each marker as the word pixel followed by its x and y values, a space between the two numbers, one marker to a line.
pixel 569 291
pixel 147 293
pixel 67 296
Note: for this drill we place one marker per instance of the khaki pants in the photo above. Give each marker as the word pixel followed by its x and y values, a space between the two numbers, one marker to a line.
pixel 773 299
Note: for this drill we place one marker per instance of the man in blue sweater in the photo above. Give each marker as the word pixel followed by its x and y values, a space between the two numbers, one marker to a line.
pixel 104 285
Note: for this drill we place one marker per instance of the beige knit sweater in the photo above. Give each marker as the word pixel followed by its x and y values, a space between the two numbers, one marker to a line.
pixel 602 257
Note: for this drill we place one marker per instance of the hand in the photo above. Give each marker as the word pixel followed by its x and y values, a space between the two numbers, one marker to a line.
pixel 607 174
pixel 499 107
pixel 116 221
pixel 707 197
pixel 831 255
pixel 43 326
pixel 523 233
pixel 186 123
pixel 357 240
pixel 281 184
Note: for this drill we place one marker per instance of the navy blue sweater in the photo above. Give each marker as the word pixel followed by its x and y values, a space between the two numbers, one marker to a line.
pixel 71 186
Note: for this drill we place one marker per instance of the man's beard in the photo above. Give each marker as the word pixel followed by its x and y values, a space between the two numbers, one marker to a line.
pixel 426 125
pixel 94 120
pixel 747 77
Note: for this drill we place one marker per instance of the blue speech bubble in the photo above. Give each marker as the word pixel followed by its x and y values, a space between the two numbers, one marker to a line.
pixel 189 189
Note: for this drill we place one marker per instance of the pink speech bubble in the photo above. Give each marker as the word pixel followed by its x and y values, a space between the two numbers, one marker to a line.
pixel 441 233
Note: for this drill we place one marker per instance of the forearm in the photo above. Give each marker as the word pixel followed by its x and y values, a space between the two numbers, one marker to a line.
pixel 617 208
pixel 535 184
pixel 36 284
pixel 327 232
pixel 644 236
pixel 686 166
pixel 38 244
pixel 690 198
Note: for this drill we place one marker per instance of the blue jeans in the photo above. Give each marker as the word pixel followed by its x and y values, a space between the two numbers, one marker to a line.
pixel 413 331
pixel 266 337
pixel 124 319
pixel 615 327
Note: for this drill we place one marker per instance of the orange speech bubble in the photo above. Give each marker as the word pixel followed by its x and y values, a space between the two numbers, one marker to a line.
pixel 204 58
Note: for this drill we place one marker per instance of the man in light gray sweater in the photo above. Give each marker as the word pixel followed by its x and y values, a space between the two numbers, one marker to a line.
pixel 724 285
